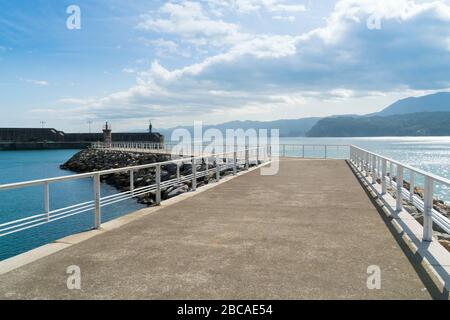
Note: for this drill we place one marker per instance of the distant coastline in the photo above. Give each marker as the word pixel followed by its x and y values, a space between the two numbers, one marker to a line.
pixel 420 124
pixel 428 115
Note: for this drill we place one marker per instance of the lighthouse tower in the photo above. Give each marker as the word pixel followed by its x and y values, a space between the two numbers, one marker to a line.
pixel 107 136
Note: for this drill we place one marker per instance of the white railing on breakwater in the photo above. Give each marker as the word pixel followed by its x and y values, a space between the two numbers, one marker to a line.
pixel 388 172
pixel 138 146
pixel 241 158
pixel 314 151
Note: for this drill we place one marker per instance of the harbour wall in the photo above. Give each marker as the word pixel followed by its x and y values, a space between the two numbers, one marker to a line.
pixel 9 146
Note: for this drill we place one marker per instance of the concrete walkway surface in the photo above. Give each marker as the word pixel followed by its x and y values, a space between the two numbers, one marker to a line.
pixel 309 232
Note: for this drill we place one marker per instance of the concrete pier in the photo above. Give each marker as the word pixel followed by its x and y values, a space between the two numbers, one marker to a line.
pixel 309 232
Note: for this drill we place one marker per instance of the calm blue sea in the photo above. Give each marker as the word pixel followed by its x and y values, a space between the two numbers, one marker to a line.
pixel 428 153
pixel 16 166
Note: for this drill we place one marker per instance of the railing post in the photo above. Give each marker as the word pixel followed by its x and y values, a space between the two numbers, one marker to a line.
pixel 247 158
pixel 257 154
pixel 379 168
pixel 360 160
pixel 132 182
pixel 47 200
pixel 303 151
pixel 178 173
pixel 363 161
pixel 234 162
pixel 383 176
pixel 284 150
pixel 374 177
pixel 326 152
pixel 427 209
pixel 391 170
pixel 412 177
pixel 158 184
pixel 217 169
pixel 194 174
pixel 97 196
pixel 366 164
pixel 399 188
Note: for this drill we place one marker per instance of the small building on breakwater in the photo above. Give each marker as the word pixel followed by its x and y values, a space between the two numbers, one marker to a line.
pixel 50 138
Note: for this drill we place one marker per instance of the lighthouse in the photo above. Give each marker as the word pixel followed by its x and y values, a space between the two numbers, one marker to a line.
pixel 107 136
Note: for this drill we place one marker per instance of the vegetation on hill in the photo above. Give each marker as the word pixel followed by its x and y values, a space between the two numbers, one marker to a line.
pixel 414 124
pixel 288 128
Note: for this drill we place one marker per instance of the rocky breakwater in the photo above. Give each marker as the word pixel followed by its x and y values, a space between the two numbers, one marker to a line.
pixel 92 160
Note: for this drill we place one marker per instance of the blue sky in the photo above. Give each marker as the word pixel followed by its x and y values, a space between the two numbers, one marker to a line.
pixel 215 60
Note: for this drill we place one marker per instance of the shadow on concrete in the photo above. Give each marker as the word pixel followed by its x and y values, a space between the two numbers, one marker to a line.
pixel 414 258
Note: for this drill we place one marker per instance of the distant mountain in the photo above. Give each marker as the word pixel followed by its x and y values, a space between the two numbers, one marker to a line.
pixel 429 103
pixel 288 128
pixel 412 124
pixel 371 124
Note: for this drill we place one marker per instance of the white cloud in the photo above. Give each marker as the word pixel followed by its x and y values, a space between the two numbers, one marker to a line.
pixel 246 6
pixel 128 70
pixel 285 18
pixel 37 82
pixel 189 20
pixel 341 61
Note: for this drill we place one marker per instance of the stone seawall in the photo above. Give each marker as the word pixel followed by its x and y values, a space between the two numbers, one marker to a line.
pixel 91 160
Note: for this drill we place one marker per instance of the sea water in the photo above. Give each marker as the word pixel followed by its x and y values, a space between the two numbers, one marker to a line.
pixel 17 166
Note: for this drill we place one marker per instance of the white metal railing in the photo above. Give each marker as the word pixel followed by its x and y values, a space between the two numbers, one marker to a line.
pixel 368 163
pixel 325 151
pixel 138 146
pixel 239 158
pixel 315 151
pixel 379 169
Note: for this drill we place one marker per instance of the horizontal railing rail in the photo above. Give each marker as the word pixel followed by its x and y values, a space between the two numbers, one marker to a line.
pixel 284 150
pixel 370 164
pixel 388 172
pixel 220 162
